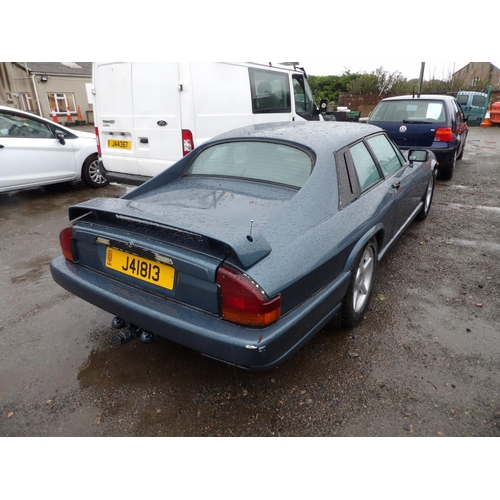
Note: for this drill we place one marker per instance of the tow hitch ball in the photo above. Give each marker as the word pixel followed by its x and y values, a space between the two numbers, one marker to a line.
pixel 132 332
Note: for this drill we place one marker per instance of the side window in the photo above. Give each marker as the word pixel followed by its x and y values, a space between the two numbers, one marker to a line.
pixel 12 125
pixel 347 181
pixel 270 91
pixel 388 158
pixel 367 171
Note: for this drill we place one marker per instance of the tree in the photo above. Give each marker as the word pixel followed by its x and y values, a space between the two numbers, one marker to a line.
pixel 389 82
pixel 329 87
pixel 364 84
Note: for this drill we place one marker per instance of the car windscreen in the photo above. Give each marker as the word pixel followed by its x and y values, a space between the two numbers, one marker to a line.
pixel 254 160
pixel 409 111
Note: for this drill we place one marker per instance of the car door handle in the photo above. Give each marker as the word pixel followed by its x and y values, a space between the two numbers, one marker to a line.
pixel 396 185
pixel 1 146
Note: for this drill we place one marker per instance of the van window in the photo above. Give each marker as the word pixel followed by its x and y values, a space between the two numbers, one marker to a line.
pixel 270 91
pixel 304 100
pixel 479 100
pixel 254 160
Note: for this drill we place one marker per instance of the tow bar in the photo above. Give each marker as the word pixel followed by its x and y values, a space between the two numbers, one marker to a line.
pixel 132 332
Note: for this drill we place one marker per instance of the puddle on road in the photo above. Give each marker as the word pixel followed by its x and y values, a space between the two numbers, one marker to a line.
pixel 38 202
pixel 37 268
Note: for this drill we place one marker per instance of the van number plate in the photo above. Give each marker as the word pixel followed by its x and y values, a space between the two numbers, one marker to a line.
pixel 113 143
pixel 142 269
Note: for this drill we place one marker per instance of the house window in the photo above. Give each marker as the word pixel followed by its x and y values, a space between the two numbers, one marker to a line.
pixel 60 102
pixel 475 81
pixel 26 101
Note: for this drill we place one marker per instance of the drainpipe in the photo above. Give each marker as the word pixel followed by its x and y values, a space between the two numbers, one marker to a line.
pixel 34 88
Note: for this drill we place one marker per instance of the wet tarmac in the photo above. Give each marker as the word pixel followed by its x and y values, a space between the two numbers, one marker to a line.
pixel 424 362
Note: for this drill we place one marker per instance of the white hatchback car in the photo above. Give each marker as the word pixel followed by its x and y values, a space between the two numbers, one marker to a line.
pixel 36 152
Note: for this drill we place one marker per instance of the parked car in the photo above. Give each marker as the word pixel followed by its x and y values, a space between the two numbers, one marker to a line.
pixel 433 122
pixel 252 243
pixel 36 152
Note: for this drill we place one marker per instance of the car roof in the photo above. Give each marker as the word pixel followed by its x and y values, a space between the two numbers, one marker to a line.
pixel 431 97
pixel 319 136
pixel 28 114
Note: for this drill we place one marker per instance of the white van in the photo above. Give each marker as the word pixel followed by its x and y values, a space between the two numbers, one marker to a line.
pixel 149 115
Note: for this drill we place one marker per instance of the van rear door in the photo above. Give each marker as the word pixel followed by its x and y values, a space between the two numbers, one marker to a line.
pixel 157 116
pixel 473 103
pixel 138 116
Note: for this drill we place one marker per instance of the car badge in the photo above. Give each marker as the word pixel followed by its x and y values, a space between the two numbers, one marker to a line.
pixel 403 129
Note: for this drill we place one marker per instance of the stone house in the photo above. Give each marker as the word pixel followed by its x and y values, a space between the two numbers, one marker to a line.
pixel 478 75
pixel 45 88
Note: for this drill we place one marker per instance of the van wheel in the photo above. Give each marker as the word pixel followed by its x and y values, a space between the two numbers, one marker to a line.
pixel 91 173
pixel 358 294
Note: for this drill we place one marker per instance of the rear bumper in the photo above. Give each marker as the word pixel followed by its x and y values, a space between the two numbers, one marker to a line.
pixel 247 348
pixel 131 179
pixel 444 156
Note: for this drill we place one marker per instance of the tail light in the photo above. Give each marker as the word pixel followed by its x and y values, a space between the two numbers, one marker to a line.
pixel 444 134
pixel 98 142
pixel 66 239
pixel 244 302
pixel 187 142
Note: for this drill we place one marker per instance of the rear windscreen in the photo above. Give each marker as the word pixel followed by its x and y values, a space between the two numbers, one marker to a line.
pixel 261 161
pixel 411 110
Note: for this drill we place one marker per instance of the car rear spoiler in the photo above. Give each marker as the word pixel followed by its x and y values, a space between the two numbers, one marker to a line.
pixel 249 249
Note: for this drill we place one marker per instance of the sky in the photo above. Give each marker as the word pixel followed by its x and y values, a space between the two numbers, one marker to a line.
pixel 342 33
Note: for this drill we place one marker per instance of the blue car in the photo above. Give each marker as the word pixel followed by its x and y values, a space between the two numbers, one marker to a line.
pixel 251 244
pixel 433 122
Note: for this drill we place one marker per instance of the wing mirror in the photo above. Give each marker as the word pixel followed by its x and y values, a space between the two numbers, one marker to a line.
pixel 417 155
pixel 60 136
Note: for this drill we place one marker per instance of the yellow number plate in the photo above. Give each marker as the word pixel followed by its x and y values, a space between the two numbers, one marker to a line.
pixel 142 269
pixel 113 143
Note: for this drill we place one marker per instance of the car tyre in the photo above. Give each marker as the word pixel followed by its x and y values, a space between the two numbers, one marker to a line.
pixel 92 174
pixel 445 173
pixel 459 157
pixel 427 199
pixel 357 298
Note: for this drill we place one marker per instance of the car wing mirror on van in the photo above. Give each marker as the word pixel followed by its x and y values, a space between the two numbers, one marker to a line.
pixel 323 105
pixel 60 136
pixel 420 155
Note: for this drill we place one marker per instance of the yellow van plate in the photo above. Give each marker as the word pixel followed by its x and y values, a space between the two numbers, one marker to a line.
pixel 113 143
